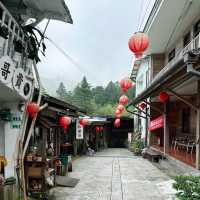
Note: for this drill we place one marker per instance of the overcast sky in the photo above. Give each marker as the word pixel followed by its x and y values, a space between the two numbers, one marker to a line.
pixel 97 41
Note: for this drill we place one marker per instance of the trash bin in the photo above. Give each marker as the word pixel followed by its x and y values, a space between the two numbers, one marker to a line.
pixel 64 161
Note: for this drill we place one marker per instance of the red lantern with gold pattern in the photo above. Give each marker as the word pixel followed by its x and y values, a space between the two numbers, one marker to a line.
pixel 117 123
pixel 138 43
pixel 33 109
pixel 163 97
pixel 123 100
pixel 126 84
pixel 65 121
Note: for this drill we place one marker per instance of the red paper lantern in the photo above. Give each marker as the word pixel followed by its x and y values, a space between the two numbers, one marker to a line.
pixel 117 123
pixel 138 43
pixel 126 84
pixel 33 109
pixel 97 129
pixel 120 108
pixel 142 106
pixel 163 97
pixel 83 122
pixel 123 100
pixel 65 121
pixel 101 128
pixel 117 112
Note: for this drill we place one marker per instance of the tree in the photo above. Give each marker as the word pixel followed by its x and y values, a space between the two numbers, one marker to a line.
pixel 61 92
pixel 98 94
pixel 83 95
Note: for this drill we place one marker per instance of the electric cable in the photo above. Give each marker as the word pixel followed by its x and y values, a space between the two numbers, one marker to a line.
pixel 143 18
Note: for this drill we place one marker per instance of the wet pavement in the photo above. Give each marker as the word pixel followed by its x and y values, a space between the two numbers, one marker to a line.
pixel 115 174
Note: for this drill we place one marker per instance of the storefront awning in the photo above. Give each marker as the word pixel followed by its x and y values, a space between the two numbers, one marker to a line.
pixel 39 9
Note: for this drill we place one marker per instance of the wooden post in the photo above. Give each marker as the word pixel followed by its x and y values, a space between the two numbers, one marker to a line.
pixel 146 128
pixel 198 127
pixel 166 128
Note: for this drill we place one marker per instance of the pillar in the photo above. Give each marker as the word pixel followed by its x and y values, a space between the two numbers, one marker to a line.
pixel 166 128
pixel 198 127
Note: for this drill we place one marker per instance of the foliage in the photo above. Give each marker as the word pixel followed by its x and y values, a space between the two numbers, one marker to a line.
pixel 34 42
pixel 97 100
pixel 188 187
pixel 137 144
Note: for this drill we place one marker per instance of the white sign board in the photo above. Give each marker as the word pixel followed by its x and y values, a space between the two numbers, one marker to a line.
pixel 79 131
pixel 6 69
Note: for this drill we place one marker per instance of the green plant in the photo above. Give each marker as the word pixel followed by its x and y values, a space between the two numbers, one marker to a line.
pixel 34 43
pixel 188 187
pixel 18 46
pixel 137 144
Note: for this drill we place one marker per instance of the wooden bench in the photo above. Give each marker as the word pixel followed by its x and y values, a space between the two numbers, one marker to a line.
pixel 152 155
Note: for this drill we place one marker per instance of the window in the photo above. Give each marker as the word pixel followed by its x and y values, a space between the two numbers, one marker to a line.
pixel 196 28
pixel 186 39
pixel 186 120
pixel 171 55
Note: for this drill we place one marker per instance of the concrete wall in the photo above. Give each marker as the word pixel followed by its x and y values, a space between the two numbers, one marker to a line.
pixel 10 138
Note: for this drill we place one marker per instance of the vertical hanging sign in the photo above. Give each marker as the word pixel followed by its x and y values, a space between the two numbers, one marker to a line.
pixel 79 131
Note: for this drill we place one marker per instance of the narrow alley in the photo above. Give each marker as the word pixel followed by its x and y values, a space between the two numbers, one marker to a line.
pixel 115 174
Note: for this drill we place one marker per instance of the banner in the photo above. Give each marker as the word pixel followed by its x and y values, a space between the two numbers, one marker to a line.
pixel 156 123
pixel 79 131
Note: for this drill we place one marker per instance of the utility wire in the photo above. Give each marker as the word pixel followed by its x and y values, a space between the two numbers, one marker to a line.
pixel 140 14
pixel 182 15
pixel 143 18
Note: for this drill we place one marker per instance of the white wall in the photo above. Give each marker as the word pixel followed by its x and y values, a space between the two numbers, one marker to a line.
pixel 11 141
pixel 141 83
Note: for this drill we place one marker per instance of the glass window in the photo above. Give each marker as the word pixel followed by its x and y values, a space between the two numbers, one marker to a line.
pixel 196 28
pixel 186 39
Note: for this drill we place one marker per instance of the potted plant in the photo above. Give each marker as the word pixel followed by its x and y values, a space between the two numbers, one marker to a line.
pixel 3 37
pixel 33 47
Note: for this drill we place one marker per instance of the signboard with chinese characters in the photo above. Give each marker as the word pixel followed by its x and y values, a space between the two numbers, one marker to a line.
pixel 156 123
pixel 6 69
pixel 16 120
pixel 21 84
pixel 15 78
pixel 79 131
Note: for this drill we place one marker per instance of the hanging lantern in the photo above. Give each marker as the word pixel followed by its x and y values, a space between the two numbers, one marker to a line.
pixel 117 112
pixel 117 123
pixel 123 100
pixel 97 129
pixel 101 128
pixel 163 97
pixel 118 115
pixel 142 106
pixel 126 84
pixel 33 109
pixel 65 121
pixel 83 122
pixel 138 43
pixel 120 108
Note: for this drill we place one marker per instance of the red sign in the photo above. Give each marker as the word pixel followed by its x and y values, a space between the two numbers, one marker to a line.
pixel 156 123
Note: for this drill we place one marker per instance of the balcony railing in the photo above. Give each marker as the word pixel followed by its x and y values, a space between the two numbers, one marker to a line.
pixel 16 69
pixel 192 46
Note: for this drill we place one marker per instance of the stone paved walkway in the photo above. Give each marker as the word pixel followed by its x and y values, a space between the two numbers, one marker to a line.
pixel 115 174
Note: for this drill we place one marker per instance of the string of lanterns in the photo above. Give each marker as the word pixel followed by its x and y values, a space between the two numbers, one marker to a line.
pixel 138 43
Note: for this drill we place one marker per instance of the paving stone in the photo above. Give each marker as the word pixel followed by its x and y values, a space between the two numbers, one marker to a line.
pixel 115 174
